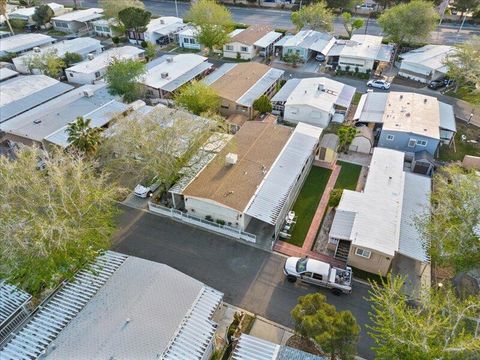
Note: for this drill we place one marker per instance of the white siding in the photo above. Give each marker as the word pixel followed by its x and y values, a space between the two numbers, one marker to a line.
pixel 204 207
pixel 307 114
pixel 237 48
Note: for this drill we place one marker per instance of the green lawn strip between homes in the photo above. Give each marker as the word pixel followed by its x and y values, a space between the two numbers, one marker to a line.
pixel 307 203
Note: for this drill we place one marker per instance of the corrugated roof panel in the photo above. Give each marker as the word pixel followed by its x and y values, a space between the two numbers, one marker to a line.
pixel 373 107
pixel 268 39
pixel 346 96
pixel 253 348
pixel 416 203
pixel 447 117
pixel 11 300
pixel 342 225
pixel 283 94
pixel 30 341
pixel 272 193
pixel 188 76
pixel 217 74
pixel 260 87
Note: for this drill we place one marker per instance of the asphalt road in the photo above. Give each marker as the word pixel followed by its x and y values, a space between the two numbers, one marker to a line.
pixel 250 278
pixel 446 34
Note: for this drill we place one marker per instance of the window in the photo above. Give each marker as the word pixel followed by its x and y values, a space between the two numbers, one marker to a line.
pixel 307 274
pixel 289 51
pixel 422 142
pixel 363 253
pixel 301 265
pixel 185 40
pixel 97 74
pixel 192 41
pixel 244 49
pixel 317 276
pixel 412 143
pixel 390 137
pixel 229 47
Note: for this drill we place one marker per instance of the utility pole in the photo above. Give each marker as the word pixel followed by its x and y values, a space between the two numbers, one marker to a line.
pixel 176 7
pixel 463 22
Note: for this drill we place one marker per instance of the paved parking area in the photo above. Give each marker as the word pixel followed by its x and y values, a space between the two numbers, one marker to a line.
pixel 135 201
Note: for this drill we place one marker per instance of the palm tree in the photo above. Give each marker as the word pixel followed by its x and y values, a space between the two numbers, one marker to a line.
pixel 3 11
pixel 83 137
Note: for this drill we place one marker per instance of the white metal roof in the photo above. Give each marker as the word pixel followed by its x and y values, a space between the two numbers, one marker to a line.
pixel 22 42
pixel 102 60
pixel 6 73
pixel 429 56
pixel 81 45
pixel 416 203
pixel 22 93
pixel 361 46
pixel 252 348
pixel 235 32
pixel 190 31
pixel 447 117
pixel 175 66
pixel 217 74
pixel 320 92
pixel 11 300
pixel 342 224
pixel 371 107
pixel 268 39
pixel 310 39
pixel 81 15
pixel 156 25
pixel 271 195
pixel 260 87
pixel 32 339
pixel 22 13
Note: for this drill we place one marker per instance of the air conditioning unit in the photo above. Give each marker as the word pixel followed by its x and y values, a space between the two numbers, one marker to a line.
pixel 164 75
pixel 231 159
pixel 90 56
pixel 88 93
pixel 170 59
pixel 36 49
pixel 321 87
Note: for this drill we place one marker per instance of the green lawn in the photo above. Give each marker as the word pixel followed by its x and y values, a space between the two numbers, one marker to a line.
pixel 307 203
pixel 461 148
pixel 348 177
pixel 356 98
pixel 465 93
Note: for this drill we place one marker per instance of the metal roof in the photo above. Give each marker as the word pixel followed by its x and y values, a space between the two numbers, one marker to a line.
pixel 22 42
pixel 169 29
pixel 371 107
pixel 288 353
pixel 283 94
pixel 188 76
pixel 217 74
pixel 429 56
pixel 260 87
pixel 197 330
pixel 272 193
pixel 81 15
pixel 447 117
pixel 342 225
pixel 267 39
pixel 252 348
pixel 11 300
pixel 99 118
pixel 6 73
pixel 416 203
pixel 23 85
pixel 346 96
pixel 36 335
pixel 330 141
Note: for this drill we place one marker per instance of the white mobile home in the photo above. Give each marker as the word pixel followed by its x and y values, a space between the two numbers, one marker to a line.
pixel 306 43
pixel 160 31
pixel 78 21
pixel 315 101
pixel 94 68
pixel 242 44
pixel 82 46
pixel 187 38
pixel 21 43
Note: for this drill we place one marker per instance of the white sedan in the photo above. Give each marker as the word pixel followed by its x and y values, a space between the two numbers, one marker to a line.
pixel 379 84
pixel 147 187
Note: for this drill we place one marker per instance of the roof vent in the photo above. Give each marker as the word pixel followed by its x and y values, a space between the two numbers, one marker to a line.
pixel 407 114
pixel 90 56
pixel 36 49
pixel 170 59
pixel 425 100
pixel 88 93
pixel 321 87
pixel 231 159
pixel 37 121
pixel 164 75
pixel 162 21
pixel 401 96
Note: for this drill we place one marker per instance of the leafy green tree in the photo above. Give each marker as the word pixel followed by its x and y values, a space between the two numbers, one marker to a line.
pixel 351 24
pixel 292 58
pixel 197 97
pixel 42 15
pixel 451 232
pixel 466 5
pixel 439 326
pixel 214 22
pixel 54 219
pixel 29 3
pixel 17 24
pixel 346 134
pixel 335 197
pixel 112 8
pixel 150 50
pixel 71 58
pixel 82 137
pixel 135 19
pixel 48 63
pixel 464 64
pixel 122 76
pixel 336 332
pixel 410 22
pixel 315 17
pixel 262 104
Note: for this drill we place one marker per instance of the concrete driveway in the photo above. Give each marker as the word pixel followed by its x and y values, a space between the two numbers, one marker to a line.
pixel 250 278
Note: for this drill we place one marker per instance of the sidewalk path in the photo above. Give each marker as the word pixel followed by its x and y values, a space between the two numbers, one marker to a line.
pixel 306 249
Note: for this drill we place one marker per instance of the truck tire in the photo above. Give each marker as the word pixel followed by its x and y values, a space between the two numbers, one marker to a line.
pixel 291 278
pixel 337 292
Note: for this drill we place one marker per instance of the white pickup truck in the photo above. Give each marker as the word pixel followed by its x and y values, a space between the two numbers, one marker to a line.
pixel 319 273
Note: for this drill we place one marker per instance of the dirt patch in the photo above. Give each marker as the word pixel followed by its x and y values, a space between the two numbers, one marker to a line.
pixel 322 238
pixel 307 345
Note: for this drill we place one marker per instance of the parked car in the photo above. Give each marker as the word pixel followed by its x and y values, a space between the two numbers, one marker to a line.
pixel 379 84
pixel 319 273
pixel 439 83
pixel 369 7
pixel 147 187
pixel 320 57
